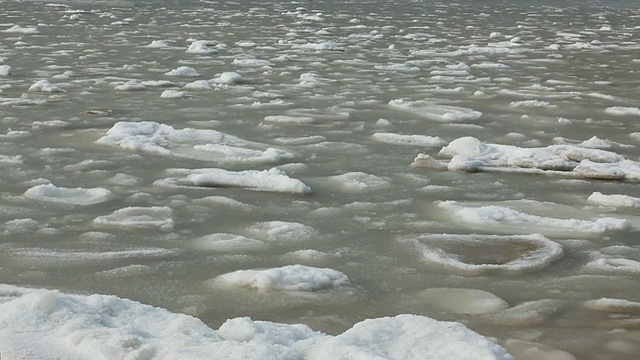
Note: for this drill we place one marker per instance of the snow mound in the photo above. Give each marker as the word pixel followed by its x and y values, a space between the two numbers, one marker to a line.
pixel 481 254
pixel 286 278
pixel 39 323
pixel 75 196
pixel 138 218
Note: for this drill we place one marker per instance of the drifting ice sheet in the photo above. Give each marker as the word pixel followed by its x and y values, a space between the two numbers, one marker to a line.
pixel 434 111
pixel 138 218
pixel 77 196
pixel 39 323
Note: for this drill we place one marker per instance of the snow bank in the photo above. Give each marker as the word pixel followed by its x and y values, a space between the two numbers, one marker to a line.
pixel 481 254
pixel 75 196
pixel 39 323
pixel 286 278
pixel 273 180
pixel 199 144
pixel 470 154
pixel 138 218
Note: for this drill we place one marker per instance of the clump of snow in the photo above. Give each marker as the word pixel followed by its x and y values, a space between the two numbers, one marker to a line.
pixel 39 323
pixel 438 112
pixel 614 200
pixel 138 218
pixel 273 180
pixel 45 86
pixel 76 196
pixel 184 71
pixel 409 140
pixel 286 278
pixel 481 254
pixel 230 77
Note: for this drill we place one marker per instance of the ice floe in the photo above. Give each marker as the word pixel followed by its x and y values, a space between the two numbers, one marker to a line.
pixel 184 71
pixel 613 305
pixel 173 94
pixel 491 216
pixel 45 86
pixel 229 77
pixel 481 254
pixel 5 70
pixel 202 47
pixel 623 110
pixel 75 196
pixel 357 181
pixel 461 301
pixel 615 200
pixel 286 278
pixel 17 29
pixel 273 180
pixel 282 231
pixel 200 144
pixel 470 154
pixel 39 323
pixel 222 242
pixel 409 140
pixel 438 112
pixel 137 217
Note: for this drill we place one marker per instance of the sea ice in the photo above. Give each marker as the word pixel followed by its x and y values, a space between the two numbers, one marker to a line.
pixel 230 77
pixel 614 200
pixel 45 86
pixel 434 111
pixel 184 71
pixel 172 94
pixel 461 301
pixel 5 70
pixel 409 140
pixel 75 196
pixel 283 231
pixel 202 47
pixel 22 30
pixel 359 182
pixel 222 242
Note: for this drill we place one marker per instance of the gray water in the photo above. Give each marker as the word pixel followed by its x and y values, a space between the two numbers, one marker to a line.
pixel 484 56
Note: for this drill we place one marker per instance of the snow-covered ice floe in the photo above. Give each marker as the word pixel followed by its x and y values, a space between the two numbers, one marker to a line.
pixel 273 180
pixel 492 216
pixel 39 323
pixel 408 140
pixel 286 278
pixel 199 144
pixel 481 254
pixel 438 112
pixel 614 200
pixel 282 231
pixel 75 196
pixel 158 217
pixel 470 154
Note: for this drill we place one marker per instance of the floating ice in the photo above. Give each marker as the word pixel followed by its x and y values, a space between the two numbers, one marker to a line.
pixel 201 47
pixel 38 323
pixel 184 71
pixel 326 45
pixel 409 140
pixel 251 62
pixel 131 85
pixel 613 305
pixel 480 254
pixel 359 181
pixel 461 301
pixel 273 180
pixel 76 196
pixel 172 94
pixel 283 231
pixel 614 264
pixel 493 215
pixel 527 314
pixel 470 154
pixel 198 85
pixel 22 30
pixel 286 278
pixel 158 44
pixel 532 104
pixel 230 77
pixel 527 350
pixel 614 200
pixel 45 86
pixel 222 242
pixel 138 218
pixel 5 70
pixel 438 112
pixel 200 144
pixel 622 110
pixel 287 119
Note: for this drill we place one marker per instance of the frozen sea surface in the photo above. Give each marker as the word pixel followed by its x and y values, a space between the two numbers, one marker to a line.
pixel 330 165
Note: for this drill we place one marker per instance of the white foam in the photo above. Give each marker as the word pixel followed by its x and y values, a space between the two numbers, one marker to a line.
pixel 409 140
pixel 273 180
pixel 286 278
pixel 437 112
pixel 138 218
pixel 480 254
pixel 76 196
pixel 39 323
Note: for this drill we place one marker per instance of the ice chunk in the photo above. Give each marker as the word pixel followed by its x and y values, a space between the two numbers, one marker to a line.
pixel 138 218
pixel 286 278
pixel 359 182
pixel 283 231
pixel 614 200
pixel 230 77
pixel 185 71
pixel 227 243
pixel 461 301
pixel 45 86
pixel 437 112
pixel 76 196
pixel 409 140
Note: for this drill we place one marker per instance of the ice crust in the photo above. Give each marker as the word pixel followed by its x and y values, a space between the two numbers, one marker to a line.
pixel 39 323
